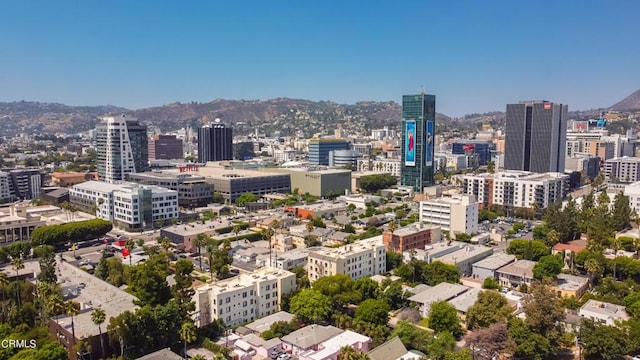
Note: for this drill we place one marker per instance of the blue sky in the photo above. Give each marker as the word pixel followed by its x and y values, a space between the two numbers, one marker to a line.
pixel 475 56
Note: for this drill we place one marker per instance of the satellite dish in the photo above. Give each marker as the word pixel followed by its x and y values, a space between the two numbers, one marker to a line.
pixel 217 120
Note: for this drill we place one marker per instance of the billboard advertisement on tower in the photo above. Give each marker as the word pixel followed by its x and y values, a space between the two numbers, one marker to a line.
pixel 428 154
pixel 410 144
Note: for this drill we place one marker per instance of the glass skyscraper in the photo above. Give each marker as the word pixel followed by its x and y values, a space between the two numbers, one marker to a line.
pixel 122 147
pixel 319 149
pixel 418 140
pixel 536 136
pixel 215 142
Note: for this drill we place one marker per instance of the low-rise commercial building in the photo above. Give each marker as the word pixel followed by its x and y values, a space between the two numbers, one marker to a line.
pixel 319 183
pixel 67 179
pixel 360 201
pixel 411 237
pixel 360 259
pixel 193 190
pixel 321 209
pixel 128 205
pixel 17 224
pixel 243 298
pixel 452 214
pixel 441 292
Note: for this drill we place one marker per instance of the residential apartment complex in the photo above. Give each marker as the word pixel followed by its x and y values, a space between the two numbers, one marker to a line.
pixel 622 169
pixel 243 298
pixel 381 166
pixel 122 147
pixel 455 215
pixel 20 184
pixel 517 189
pixel 411 237
pixel 130 205
pixel 362 258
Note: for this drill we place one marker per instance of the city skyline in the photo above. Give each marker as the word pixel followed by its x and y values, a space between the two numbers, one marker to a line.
pixel 475 56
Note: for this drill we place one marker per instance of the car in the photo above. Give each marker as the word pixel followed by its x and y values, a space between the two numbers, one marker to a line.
pixel 284 357
pixel 78 257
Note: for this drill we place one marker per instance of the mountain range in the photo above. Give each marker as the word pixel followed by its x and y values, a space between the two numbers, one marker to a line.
pixel 282 116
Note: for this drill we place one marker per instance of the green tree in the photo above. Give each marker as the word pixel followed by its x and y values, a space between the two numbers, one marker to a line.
pixel 528 250
pixel 222 259
pixel 443 317
pixel 72 309
pixel 280 328
pixel 373 183
pixel 491 283
pixel 437 272
pixel 55 305
pixel 130 245
pixel 602 341
pixel 17 265
pixel 187 335
pixel 200 241
pixel 148 281
pixel 98 317
pixel 545 311
pixel 339 288
pixel 393 260
pixel 310 305
pixel 373 311
pixel 490 308
pixel 621 212
pixel 367 288
pixel 411 336
pixel 349 353
pixel 529 343
pixel 181 290
pixel 548 266
pixel 491 340
pixel 245 198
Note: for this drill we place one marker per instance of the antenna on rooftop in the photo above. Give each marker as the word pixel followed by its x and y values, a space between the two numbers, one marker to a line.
pixel 421 90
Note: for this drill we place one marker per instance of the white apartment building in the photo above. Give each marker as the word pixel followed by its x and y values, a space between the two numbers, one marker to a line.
pixel 633 192
pixel 517 189
pixel 454 214
pixel 122 147
pixel 362 258
pixel 283 156
pixel 243 298
pixel 382 166
pixel 623 169
pixel 127 204
pixel 603 312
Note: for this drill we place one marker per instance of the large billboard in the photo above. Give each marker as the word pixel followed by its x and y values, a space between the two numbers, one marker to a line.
pixel 428 153
pixel 410 144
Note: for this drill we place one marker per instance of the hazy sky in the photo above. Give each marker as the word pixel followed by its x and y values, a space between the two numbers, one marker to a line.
pixel 475 56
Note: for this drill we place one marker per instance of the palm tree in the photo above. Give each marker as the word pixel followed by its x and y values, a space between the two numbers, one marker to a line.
pixel 4 282
pixel 129 245
pixel 83 347
pixel 199 242
pixel 593 267
pixel 236 230
pixel 187 335
pixel 72 309
pixel 349 353
pixel 18 265
pixel 309 240
pixel 98 317
pixel 165 243
pixel 199 357
pixel 211 255
pixel 54 306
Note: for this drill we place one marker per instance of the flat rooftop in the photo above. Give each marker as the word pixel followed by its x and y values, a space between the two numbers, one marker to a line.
pixel 607 309
pixel 30 267
pixel 464 301
pixel 196 228
pixel 569 282
pixel 495 261
pixel 224 173
pixel 441 292
pixel 412 229
pixel 244 280
pixel 466 252
pixel 344 251
pixel 92 293
pixel 311 335
pixel 102 186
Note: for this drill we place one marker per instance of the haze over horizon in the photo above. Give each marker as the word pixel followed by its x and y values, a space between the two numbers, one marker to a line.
pixel 475 57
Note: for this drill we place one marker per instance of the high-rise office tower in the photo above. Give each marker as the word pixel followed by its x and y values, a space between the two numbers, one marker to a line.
pixel 536 135
pixel 166 147
pixel 319 149
pixel 418 145
pixel 215 142
pixel 122 146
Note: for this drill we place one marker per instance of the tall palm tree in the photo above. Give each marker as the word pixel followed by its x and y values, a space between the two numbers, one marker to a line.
pixel 593 267
pixel 4 282
pixel 54 306
pixel 72 309
pixel 211 255
pixel 18 265
pixel 187 335
pixel 129 245
pixel 199 242
pixel 98 317
pixel 236 230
